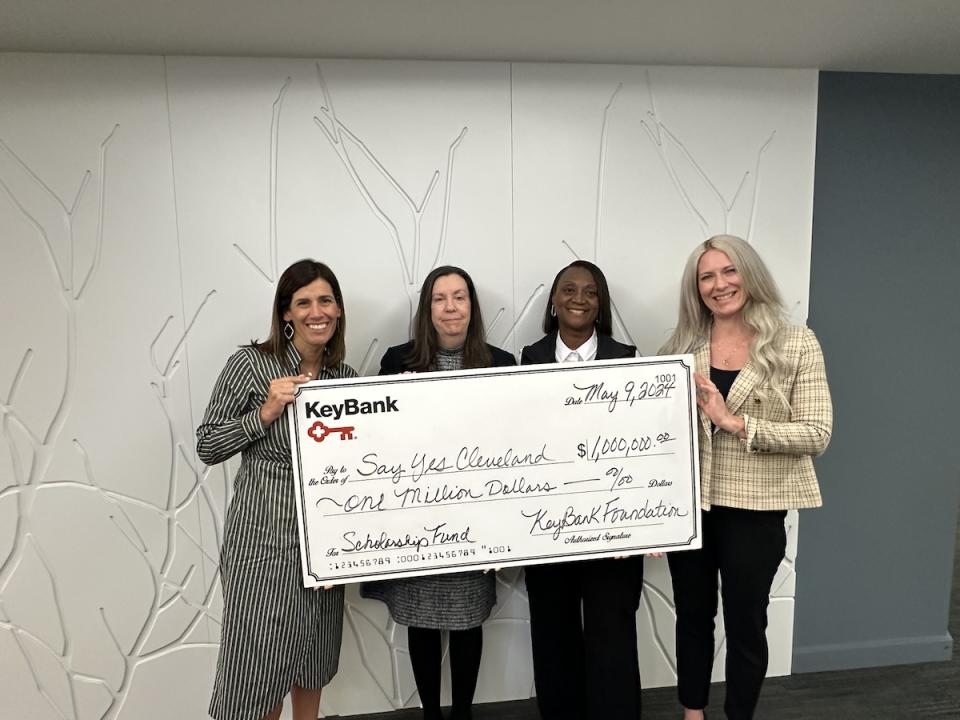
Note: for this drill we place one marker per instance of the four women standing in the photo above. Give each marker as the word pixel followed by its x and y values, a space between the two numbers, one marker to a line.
pixel 765 410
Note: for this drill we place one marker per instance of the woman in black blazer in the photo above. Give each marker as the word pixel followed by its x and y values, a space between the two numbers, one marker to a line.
pixel 448 335
pixel 583 613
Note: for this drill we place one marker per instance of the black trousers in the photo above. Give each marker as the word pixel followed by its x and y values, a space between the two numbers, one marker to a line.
pixel 584 636
pixel 745 548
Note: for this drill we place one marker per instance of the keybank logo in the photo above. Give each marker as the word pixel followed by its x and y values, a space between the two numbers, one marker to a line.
pixel 350 406
pixel 318 431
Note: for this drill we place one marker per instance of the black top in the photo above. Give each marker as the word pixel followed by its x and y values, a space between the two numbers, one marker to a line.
pixel 394 360
pixel 723 379
pixel 544 350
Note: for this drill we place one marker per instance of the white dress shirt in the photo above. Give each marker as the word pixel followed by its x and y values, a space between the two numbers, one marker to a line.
pixel 587 351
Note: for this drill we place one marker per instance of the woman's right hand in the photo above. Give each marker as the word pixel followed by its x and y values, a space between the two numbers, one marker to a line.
pixel 715 408
pixel 281 393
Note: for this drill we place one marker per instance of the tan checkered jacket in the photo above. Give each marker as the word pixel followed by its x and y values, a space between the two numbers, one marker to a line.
pixel 772 468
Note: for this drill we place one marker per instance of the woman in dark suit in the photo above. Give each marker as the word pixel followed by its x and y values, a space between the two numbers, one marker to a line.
pixel 765 411
pixel 583 613
pixel 448 335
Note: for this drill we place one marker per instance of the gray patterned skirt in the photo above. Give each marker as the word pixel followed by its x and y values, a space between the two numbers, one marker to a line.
pixel 456 601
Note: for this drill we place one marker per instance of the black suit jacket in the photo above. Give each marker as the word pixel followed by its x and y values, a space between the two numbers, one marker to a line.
pixel 544 350
pixel 394 359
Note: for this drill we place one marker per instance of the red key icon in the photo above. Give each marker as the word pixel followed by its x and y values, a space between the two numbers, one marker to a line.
pixel 318 431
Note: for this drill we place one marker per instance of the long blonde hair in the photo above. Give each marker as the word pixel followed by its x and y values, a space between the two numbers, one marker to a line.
pixel 763 311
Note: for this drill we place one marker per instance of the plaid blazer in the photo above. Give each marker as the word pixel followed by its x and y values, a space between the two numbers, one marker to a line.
pixel 772 468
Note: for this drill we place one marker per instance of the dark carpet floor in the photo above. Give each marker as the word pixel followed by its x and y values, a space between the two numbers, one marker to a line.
pixel 927 690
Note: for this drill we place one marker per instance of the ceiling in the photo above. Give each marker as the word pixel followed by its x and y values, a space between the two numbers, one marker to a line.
pixel 909 36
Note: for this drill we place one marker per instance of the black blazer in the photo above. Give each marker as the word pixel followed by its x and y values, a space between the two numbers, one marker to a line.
pixel 544 350
pixel 394 359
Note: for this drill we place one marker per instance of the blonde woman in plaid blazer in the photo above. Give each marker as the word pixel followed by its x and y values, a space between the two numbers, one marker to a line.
pixel 765 412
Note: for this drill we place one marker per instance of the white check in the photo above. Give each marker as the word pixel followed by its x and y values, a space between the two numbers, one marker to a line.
pixel 443 472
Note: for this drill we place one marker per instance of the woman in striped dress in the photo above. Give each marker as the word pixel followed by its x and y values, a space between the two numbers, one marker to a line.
pixel 448 335
pixel 277 636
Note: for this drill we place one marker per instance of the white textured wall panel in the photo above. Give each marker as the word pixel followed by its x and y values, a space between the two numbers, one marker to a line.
pixel 147 206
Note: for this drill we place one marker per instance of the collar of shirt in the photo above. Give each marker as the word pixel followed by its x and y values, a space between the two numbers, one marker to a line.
pixel 587 351
pixel 293 358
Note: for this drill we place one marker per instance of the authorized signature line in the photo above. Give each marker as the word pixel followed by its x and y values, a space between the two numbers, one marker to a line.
pixel 593 529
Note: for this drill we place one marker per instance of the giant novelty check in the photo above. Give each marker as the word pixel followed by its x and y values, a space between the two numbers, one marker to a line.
pixel 444 472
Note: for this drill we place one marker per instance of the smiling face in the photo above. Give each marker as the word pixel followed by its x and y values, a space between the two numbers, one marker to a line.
pixel 576 300
pixel 720 284
pixel 313 312
pixel 450 310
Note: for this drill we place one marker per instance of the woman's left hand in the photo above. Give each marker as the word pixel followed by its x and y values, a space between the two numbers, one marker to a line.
pixel 714 407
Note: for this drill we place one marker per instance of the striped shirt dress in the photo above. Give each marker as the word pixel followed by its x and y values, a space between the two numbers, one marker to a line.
pixel 275 633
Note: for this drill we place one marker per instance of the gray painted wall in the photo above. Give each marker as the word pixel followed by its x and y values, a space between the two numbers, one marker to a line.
pixel 875 563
